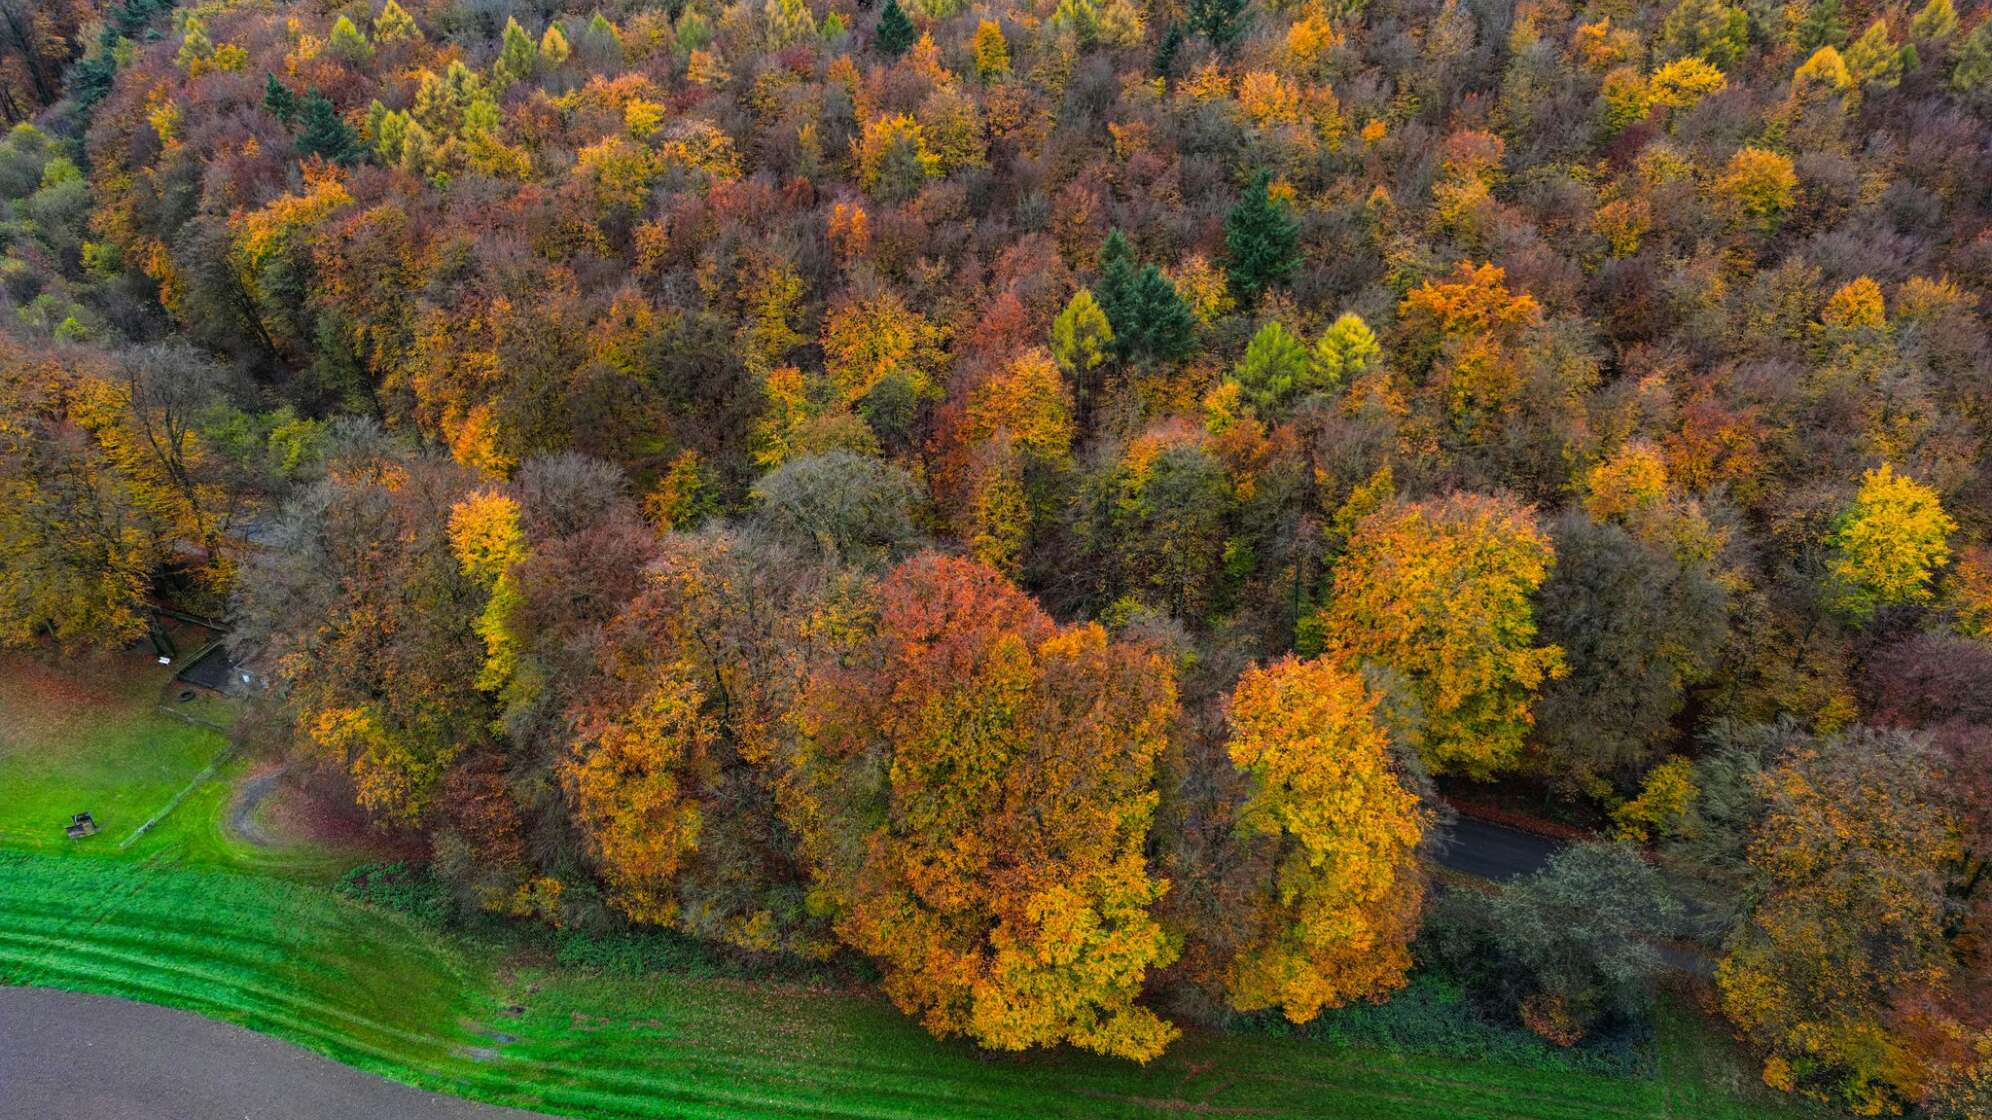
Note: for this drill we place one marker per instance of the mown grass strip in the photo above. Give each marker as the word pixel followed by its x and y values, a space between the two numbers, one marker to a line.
pixel 380 992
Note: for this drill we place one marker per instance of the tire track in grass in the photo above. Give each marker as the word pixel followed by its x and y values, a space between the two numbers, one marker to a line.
pixel 161 947
pixel 1358 1084
pixel 225 993
pixel 120 948
pixel 128 887
pixel 217 988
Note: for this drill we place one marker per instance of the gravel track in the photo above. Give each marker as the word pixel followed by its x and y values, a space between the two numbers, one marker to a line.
pixel 69 1055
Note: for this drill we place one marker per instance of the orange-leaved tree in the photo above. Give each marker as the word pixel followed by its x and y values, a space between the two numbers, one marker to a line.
pixel 973 786
pixel 670 768
pixel 634 780
pixel 1464 332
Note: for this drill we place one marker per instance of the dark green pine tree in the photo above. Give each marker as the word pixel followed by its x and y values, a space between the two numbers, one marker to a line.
pixel 324 134
pixel 1163 327
pixel 91 77
pixel 1264 241
pixel 1149 318
pixel 1114 289
pixel 280 102
pixel 895 32
pixel 1220 21
pixel 1166 50
pixel 132 16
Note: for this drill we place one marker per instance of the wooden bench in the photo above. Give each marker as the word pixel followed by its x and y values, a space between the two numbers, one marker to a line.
pixel 81 825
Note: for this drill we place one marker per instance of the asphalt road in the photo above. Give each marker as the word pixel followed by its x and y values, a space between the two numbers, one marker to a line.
pixel 1493 851
pixel 64 1055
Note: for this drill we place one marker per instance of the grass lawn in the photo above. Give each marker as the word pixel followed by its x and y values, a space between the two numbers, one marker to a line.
pixel 281 957
pixel 378 991
pixel 90 736
pixel 88 739
pixel 191 916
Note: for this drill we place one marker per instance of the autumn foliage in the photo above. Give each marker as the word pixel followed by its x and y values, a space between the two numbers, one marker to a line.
pixel 973 791
pixel 1341 904
pixel 1439 591
pixel 1050 498
pixel 1846 944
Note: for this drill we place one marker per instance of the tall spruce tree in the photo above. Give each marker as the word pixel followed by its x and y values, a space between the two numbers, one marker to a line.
pixel 895 32
pixel 280 102
pixel 1170 46
pixel 1163 327
pixel 1115 287
pixel 1148 316
pixel 324 134
pixel 1264 241
pixel 1220 21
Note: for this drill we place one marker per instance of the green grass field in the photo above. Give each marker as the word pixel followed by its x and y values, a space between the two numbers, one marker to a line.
pixel 92 736
pixel 192 917
pixel 377 991
pixel 93 744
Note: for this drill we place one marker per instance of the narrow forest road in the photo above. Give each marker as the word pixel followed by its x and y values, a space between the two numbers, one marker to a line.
pixel 1494 851
pixel 64 1054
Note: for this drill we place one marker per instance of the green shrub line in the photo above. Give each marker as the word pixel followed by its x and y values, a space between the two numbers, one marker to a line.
pixel 411 889
pixel 1433 1015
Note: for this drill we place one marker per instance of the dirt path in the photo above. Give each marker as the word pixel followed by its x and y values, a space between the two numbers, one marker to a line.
pixel 242 822
pixel 63 1054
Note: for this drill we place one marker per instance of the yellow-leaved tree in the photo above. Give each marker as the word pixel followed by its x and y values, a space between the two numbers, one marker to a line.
pixel 631 800
pixel 486 538
pixel 1335 916
pixel 1843 947
pixel 1889 544
pixel 1439 591
pixel 105 480
pixel 872 340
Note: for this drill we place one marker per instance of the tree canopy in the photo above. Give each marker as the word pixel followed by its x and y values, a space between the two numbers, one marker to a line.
pixel 1047 504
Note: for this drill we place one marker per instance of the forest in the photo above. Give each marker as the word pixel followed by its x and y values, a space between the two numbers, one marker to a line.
pixel 1057 500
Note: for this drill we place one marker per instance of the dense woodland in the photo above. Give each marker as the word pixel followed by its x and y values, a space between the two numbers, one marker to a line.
pixel 1040 497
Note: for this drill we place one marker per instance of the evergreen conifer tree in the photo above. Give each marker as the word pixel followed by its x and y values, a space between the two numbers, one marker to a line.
pixel 895 32
pixel 349 42
pixel 1220 21
pixel 1264 241
pixel 518 55
pixel 395 25
pixel 280 102
pixel 324 134
pixel 1168 48
pixel 1148 316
